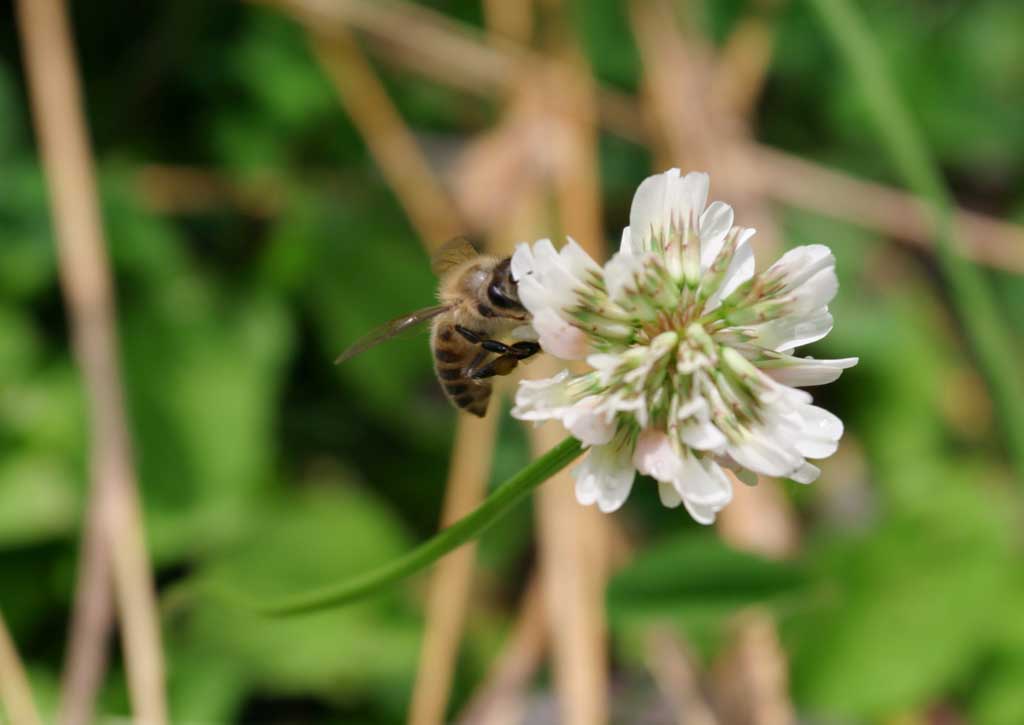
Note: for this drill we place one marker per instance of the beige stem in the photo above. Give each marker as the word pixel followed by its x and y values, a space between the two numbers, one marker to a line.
pixel 451 580
pixel 15 690
pixel 88 291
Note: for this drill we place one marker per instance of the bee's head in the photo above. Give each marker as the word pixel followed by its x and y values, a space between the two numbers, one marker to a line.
pixel 502 293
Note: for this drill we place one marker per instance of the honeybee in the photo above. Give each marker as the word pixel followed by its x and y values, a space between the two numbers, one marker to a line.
pixel 479 303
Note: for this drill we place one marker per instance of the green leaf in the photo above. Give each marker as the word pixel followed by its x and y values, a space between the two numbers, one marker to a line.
pixel 913 609
pixel 695 578
pixel 39 499
pixel 317 533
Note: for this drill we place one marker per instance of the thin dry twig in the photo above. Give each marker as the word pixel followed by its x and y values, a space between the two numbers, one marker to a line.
pixel 751 679
pixel 395 150
pixel 436 219
pixel 571 553
pixel 452 577
pixel 427 42
pixel 499 700
pixel 815 188
pixel 115 517
pixel 15 690
pixel 677 676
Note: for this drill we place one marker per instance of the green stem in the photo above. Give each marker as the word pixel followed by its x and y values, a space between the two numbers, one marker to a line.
pixel 466 529
pixel 974 301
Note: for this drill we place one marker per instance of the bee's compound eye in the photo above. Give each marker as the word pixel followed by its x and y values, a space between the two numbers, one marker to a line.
pixel 500 298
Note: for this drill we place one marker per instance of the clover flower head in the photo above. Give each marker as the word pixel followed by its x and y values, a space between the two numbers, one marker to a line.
pixel 691 352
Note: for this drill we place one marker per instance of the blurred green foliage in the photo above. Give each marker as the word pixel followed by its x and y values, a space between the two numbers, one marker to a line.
pixel 266 468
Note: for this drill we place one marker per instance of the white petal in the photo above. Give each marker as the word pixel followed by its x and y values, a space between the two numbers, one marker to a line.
pixel 605 477
pixel 807 473
pixel 741 269
pixel 817 291
pixel 703 482
pixel 701 435
pixel 620 274
pixel 715 223
pixel 692 195
pixel 663 198
pixel 590 427
pixel 801 372
pixel 786 333
pixel 655 456
pixel 533 295
pixel 800 263
pixel 649 211
pixel 626 244
pixel 669 496
pixel 762 455
pixel 820 432
pixel 522 261
pixel 558 337
pixel 701 514
pixel 576 260
pixel 542 399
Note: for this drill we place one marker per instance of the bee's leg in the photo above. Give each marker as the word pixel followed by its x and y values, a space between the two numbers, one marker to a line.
pixel 507 361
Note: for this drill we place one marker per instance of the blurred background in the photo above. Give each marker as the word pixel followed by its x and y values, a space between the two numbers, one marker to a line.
pixel 272 177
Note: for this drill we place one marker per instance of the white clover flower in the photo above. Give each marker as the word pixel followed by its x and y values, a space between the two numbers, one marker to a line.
pixel 691 352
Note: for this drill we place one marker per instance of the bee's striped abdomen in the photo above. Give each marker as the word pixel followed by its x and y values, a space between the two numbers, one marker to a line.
pixel 453 356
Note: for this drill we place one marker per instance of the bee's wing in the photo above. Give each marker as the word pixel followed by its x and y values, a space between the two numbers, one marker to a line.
pixel 451 254
pixel 390 329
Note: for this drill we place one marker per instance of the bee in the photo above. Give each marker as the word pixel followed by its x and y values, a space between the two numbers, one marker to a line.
pixel 479 302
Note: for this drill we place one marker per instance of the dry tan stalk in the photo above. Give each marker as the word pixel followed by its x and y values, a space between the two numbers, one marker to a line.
pixel 743 62
pixel 115 517
pixel 15 690
pixel 452 577
pixel 393 147
pixel 677 676
pixel 435 218
pixel 507 21
pixel 574 538
pixel 414 35
pixel 691 127
pixel 815 188
pixel 759 519
pixel 467 63
pixel 751 680
pixel 571 549
pixel 500 699
pixel 177 189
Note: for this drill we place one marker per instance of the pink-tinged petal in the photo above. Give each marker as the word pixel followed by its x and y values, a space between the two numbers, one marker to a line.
pixel 559 337
pixel 655 456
